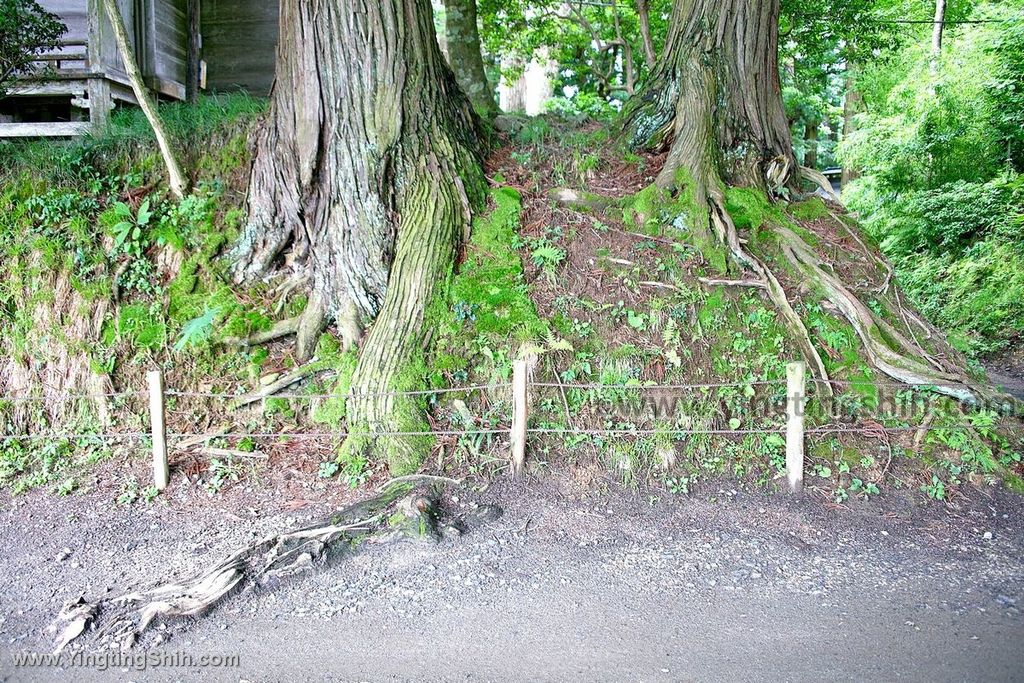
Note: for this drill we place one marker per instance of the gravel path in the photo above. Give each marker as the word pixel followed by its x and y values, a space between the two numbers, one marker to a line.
pixel 619 586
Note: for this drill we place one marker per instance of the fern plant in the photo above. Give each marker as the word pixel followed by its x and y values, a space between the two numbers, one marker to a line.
pixel 547 257
pixel 197 331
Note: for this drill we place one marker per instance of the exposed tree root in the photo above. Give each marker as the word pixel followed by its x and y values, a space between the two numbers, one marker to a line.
pixel 871 255
pixel 280 329
pixel 399 510
pixel 726 230
pixel 283 383
pixel 311 323
pixel 877 335
pixel 658 285
pixel 286 288
pixel 899 366
pixel 819 179
pixel 719 282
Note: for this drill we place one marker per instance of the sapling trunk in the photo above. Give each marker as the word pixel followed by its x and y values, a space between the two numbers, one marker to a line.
pixel 176 179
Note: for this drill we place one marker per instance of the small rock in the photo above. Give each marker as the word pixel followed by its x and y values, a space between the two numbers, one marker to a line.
pixel 987 536
pixel 507 124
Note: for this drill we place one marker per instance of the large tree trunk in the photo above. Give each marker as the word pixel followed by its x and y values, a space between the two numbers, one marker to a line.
pixel 643 14
pixel 513 95
pixel 366 169
pixel 811 144
pixel 937 29
pixel 463 40
pixel 714 98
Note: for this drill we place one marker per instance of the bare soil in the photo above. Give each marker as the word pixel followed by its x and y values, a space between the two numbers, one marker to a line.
pixel 569 584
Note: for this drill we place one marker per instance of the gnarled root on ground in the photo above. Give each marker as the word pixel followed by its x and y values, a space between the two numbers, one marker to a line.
pixel 407 507
pixel 877 336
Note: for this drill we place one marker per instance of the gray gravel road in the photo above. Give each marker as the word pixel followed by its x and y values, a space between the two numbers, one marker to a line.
pixel 616 587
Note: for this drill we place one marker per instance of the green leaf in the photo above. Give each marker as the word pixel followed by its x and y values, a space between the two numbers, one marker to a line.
pixel 636 320
pixel 197 330
pixel 734 423
pixel 144 213
pixel 121 232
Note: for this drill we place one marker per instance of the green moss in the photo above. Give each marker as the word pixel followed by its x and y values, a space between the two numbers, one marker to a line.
pixel 712 310
pixel 138 325
pixel 751 210
pixel 486 304
pixel 333 410
pixel 491 279
pixel 809 210
pixel 652 208
pixel 1014 483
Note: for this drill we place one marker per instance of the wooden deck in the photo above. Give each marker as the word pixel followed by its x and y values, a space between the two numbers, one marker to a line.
pixel 86 72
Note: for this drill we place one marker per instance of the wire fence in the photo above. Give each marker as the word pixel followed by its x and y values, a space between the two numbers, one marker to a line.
pixel 370 430
pixel 350 395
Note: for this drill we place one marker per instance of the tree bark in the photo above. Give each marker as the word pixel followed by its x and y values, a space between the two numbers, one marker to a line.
pixel 811 144
pixel 131 66
pixel 714 101
pixel 367 170
pixel 853 104
pixel 714 98
pixel 937 28
pixel 465 58
pixel 628 71
pixel 513 98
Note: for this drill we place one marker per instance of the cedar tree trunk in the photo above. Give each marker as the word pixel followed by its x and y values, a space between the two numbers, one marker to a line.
pixel 853 104
pixel 463 39
pixel 714 98
pixel 811 144
pixel 365 172
pixel 643 14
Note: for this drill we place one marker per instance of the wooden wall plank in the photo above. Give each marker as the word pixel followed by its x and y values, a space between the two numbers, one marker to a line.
pixel 62 129
pixel 75 14
pixel 240 44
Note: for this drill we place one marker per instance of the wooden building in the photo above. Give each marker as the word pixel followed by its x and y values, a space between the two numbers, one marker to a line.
pixel 239 44
pixel 231 44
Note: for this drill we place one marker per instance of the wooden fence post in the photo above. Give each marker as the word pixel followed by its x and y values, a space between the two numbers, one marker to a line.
pixel 796 401
pixel 161 472
pixel 519 385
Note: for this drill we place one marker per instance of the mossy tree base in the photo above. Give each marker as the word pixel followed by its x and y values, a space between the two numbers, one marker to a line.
pixel 365 177
pixel 714 102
